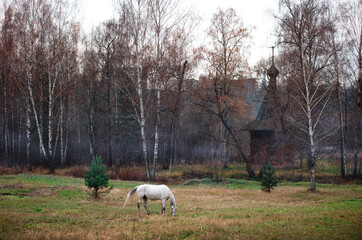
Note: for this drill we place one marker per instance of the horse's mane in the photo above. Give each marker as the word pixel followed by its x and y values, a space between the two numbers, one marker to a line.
pixel 172 198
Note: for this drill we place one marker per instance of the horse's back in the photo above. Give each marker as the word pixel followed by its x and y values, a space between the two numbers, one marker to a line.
pixel 154 192
pixel 153 186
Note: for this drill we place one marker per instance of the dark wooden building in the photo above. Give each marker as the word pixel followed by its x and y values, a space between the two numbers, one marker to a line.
pixel 267 138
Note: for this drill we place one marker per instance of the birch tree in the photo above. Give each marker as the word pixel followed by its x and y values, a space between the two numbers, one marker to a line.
pixel 13 93
pixel 27 39
pixel 168 26
pixel 43 31
pixel 134 18
pixel 304 30
pixel 7 52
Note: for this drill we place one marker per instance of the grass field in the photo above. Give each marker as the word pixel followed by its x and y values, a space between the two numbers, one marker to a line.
pixel 56 207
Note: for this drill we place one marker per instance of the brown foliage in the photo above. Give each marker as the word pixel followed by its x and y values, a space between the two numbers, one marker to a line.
pixel 134 174
pixel 197 174
pixel 76 171
pixel 4 171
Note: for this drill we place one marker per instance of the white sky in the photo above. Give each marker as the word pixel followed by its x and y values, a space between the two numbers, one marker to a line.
pixel 256 13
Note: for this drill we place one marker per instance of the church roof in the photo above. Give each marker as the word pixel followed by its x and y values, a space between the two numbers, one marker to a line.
pixel 265 120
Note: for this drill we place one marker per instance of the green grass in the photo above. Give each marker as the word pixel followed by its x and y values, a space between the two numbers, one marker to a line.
pixel 229 183
pixel 41 180
pixel 54 207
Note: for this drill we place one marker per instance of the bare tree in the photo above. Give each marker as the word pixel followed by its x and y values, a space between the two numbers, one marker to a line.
pixel 351 25
pixel 337 72
pixel 227 64
pixel 105 40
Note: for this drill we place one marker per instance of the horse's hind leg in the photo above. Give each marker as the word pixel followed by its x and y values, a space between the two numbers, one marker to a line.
pixel 163 206
pixel 145 203
pixel 138 205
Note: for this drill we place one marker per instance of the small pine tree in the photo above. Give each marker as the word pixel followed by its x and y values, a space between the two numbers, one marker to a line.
pixel 268 181
pixel 96 177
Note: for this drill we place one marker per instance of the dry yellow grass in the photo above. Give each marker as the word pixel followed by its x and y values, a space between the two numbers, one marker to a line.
pixel 68 211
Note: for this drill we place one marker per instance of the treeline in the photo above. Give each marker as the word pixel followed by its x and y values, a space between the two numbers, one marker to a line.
pixel 124 92
pixel 130 91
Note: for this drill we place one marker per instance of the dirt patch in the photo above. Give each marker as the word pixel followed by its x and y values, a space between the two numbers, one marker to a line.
pixel 46 191
pixel 9 186
pixel 14 186
pixel 38 192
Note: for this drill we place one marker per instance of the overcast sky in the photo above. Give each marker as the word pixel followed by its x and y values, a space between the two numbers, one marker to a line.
pixel 254 13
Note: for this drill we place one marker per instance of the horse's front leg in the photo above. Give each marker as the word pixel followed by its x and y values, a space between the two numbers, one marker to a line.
pixel 145 203
pixel 163 206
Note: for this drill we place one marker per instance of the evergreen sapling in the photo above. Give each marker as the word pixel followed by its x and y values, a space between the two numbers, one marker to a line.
pixel 268 181
pixel 96 176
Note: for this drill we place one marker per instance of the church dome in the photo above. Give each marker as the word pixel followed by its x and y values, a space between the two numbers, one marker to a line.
pixel 273 71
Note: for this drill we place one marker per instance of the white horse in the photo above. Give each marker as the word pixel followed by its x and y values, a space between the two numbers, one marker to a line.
pixel 153 192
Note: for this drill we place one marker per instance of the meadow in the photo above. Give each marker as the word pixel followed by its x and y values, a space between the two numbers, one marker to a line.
pixel 34 206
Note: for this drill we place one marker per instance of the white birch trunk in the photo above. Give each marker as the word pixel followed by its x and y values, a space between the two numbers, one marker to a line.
pixel 6 128
pixel 359 102
pixel 143 120
pixel 158 121
pixel 62 160
pixel 12 133
pixel 39 128
pixel 28 139
pixel 175 150
pixel 313 162
pixel 40 116
pixel 20 133
pixel 356 144
pixel 225 147
pixel 341 121
pixel 50 123
pixel 91 134
pixel 342 132
pixel 307 99
pixel 311 140
pixel 56 142
pixel 138 25
pixel 65 146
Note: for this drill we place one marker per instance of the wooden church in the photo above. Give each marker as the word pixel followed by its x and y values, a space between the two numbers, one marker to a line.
pixel 267 135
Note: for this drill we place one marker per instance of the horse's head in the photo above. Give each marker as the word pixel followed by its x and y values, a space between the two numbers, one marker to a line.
pixel 173 208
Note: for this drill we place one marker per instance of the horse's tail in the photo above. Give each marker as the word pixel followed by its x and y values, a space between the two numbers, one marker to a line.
pixel 129 195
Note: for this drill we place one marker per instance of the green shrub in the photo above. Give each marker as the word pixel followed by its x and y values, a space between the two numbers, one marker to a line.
pixel 268 181
pixel 96 176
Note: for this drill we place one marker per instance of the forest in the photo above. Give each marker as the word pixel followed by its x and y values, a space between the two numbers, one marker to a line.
pixel 140 91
